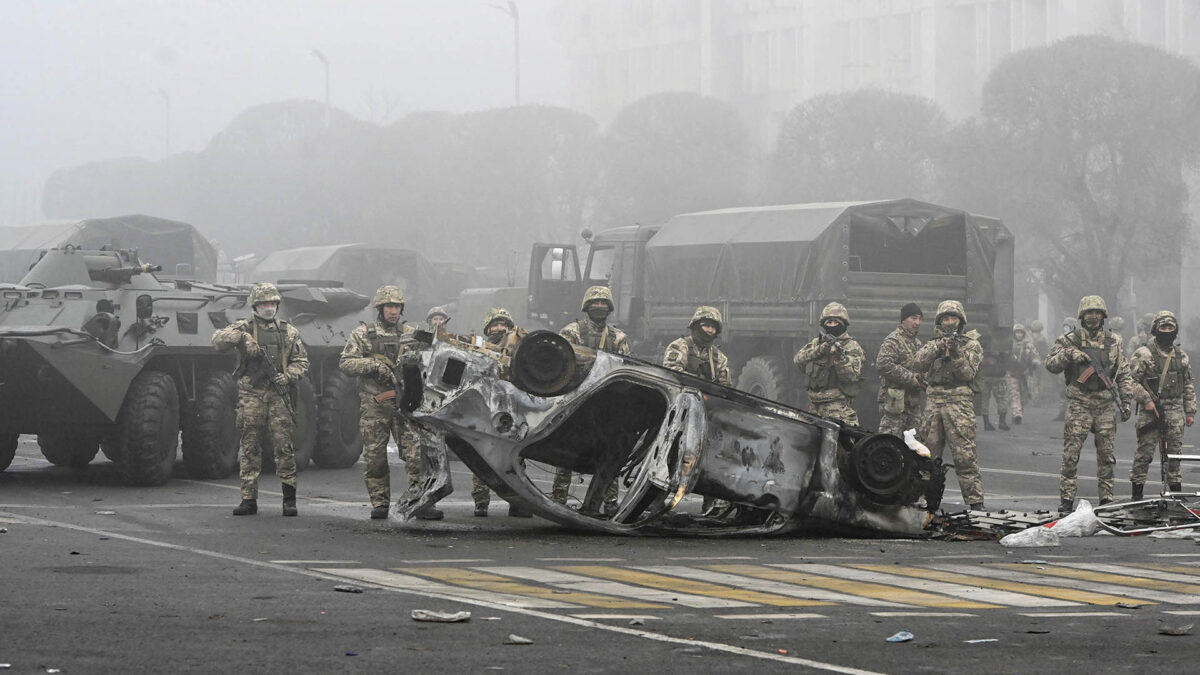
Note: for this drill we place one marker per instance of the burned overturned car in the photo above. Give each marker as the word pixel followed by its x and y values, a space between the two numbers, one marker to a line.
pixel 540 402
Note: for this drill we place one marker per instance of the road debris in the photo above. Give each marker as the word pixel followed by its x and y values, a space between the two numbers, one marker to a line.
pixel 980 641
pixel 347 588
pixel 637 622
pixel 1185 629
pixel 440 617
pixel 902 636
pixel 514 639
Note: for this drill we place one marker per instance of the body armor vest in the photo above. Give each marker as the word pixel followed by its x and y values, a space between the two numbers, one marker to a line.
pixel 942 374
pixel 701 367
pixel 992 365
pixel 270 336
pixel 820 375
pixel 384 347
pixel 1170 386
pixel 591 338
pixel 1102 355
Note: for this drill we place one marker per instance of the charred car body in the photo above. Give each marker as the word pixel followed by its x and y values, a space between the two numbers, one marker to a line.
pixel 664 435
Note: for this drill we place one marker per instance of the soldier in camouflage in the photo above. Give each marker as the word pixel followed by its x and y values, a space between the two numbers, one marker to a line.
pixel 1037 380
pixel 1162 368
pixel 1089 402
pixel 593 332
pixel 1024 362
pixel 696 354
pixel 261 410
pixel 832 365
pixel 950 362
pixel 995 387
pixel 436 318
pixel 501 331
pixel 900 386
pixel 1143 332
pixel 370 354
pixel 1069 324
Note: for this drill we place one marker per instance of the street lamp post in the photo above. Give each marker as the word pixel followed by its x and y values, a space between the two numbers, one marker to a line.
pixel 325 62
pixel 167 126
pixel 510 8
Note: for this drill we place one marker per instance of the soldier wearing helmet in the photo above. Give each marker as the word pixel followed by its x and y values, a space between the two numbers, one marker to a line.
pixel 499 330
pixel 1024 363
pixel 593 332
pixel 262 411
pixel 371 354
pixel 437 317
pixel 832 365
pixel 1089 401
pixel 1162 368
pixel 993 381
pixel 900 386
pixel 950 362
pixel 697 353
pixel 1143 332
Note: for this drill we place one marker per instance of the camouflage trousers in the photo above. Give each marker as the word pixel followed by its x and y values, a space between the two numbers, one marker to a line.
pixel 1013 383
pixel 1147 442
pixel 994 388
pixel 839 409
pixel 1084 416
pixel 562 487
pixel 261 416
pixel 953 423
pixel 897 423
pixel 480 492
pixel 378 423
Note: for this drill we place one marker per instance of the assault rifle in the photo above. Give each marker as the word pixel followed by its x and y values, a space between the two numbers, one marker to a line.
pixel 1097 369
pixel 406 377
pixel 831 340
pixel 259 369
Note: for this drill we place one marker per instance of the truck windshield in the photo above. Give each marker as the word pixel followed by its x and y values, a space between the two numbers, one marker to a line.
pixel 601 261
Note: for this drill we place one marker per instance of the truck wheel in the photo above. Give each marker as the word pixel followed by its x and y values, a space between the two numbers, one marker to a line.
pixel 339 438
pixel 68 449
pixel 304 436
pixel 763 376
pixel 148 429
pixel 210 435
pixel 8 449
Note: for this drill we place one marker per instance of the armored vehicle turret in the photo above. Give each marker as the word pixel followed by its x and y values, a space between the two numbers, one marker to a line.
pixel 98 354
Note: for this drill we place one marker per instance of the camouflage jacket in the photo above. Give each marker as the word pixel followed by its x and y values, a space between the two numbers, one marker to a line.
pixel 895 363
pixel 684 350
pixel 831 374
pixel 1040 346
pixel 951 372
pixel 597 336
pixel 1146 368
pixel 359 357
pixel 295 355
pixel 1024 356
pixel 1062 360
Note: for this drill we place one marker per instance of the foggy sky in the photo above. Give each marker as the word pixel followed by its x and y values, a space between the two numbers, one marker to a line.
pixel 82 78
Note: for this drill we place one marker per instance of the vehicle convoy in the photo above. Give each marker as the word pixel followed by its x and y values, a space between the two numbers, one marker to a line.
pixel 98 354
pixel 663 435
pixel 771 269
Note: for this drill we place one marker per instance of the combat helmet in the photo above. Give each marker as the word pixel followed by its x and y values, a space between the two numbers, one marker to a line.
pixel 1165 316
pixel 950 307
pixel 389 295
pixel 498 314
pixel 1145 321
pixel 1070 323
pixel 598 294
pixel 1036 326
pixel 1090 302
pixel 1019 327
pixel 1116 324
pixel 264 292
pixel 836 310
pixel 705 312
pixel 437 311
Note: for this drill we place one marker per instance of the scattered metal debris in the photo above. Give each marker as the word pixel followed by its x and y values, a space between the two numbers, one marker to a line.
pixel 1185 629
pixel 514 639
pixel 440 617
pixel 902 636
pixel 347 588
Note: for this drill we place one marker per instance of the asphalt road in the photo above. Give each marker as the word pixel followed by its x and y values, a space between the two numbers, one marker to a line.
pixel 100 578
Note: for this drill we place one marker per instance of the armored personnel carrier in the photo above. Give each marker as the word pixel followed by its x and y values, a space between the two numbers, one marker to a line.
pixel 97 354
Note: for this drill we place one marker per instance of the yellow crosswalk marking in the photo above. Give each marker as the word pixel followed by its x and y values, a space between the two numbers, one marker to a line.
pixel 860 588
pixel 1102 577
pixel 1165 567
pixel 498 584
pixel 998 584
pixel 689 586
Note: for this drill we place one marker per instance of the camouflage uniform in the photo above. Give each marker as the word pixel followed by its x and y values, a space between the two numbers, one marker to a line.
pixel 1037 379
pixel 260 410
pixel 1175 398
pixel 685 355
pixel 1090 405
pixel 480 492
pixel 595 335
pixel 1143 333
pixel 992 369
pixel 951 366
pixel 833 374
pixel 1025 361
pixel 895 365
pixel 370 354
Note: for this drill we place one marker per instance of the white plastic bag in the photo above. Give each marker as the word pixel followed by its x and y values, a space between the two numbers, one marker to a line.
pixel 1039 535
pixel 1081 523
pixel 910 439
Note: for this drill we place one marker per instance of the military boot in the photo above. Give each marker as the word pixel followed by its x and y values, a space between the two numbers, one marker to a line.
pixel 978 506
pixel 289 500
pixel 518 512
pixel 481 509
pixel 248 507
pixel 429 513
pixel 987 424
pixel 1004 422
pixel 1136 495
pixel 1065 506
pixel 1175 487
pixel 379 512
pixel 1017 420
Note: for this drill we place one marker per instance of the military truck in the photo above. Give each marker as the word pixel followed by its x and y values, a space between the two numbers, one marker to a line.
pixel 98 354
pixel 770 270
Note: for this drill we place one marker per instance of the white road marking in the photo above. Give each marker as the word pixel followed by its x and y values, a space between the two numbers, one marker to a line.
pixel 316 562
pixel 901 614
pixel 581 559
pixel 1064 615
pixel 974 593
pixel 768 586
pixel 705 558
pixel 1182 612
pixel 1176 555
pixel 768 617
pixel 1135 572
pixel 578 582
pixel 619 617
pixel 1080 584
pixel 440 561
pixel 656 637
pixel 409 582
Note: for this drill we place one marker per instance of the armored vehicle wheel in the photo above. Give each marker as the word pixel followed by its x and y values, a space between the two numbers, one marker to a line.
pixel 8 449
pixel 763 376
pixel 210 435
pixel 68 449
pixel 304 438
pixel 339 438
pixel 148 429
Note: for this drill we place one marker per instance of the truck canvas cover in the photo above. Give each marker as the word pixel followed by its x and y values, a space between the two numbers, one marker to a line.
pixel 360 267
